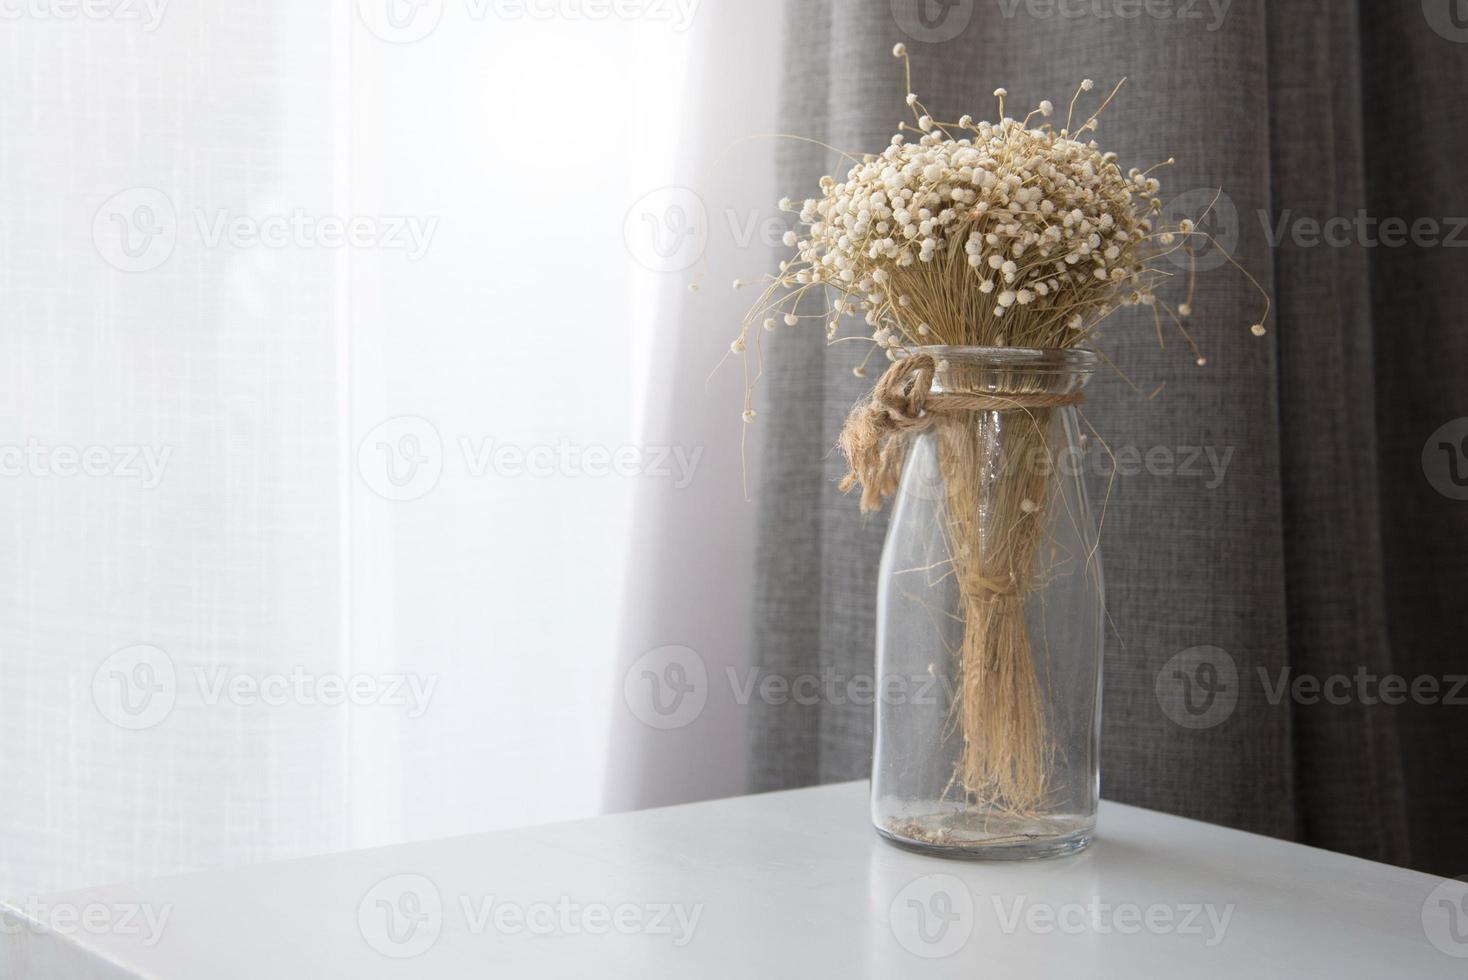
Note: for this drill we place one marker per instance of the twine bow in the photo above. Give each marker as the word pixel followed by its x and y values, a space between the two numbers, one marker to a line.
pixel 874 439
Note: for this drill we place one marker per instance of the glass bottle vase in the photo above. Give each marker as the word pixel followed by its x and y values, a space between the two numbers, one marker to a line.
pixel 990 620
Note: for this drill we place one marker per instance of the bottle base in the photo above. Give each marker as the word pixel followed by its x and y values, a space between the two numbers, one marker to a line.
pixel 939 839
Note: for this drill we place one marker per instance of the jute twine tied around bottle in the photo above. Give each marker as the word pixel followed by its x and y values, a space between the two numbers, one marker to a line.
pixel 903 403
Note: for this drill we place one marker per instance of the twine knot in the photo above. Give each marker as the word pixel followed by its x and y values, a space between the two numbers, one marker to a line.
pixel 874 439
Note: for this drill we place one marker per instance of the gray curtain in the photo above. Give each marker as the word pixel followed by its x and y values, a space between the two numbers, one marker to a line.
pixel 1331 545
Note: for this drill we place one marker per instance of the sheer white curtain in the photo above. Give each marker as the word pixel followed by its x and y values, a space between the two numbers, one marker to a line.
pixel 321 350
pixel 679 730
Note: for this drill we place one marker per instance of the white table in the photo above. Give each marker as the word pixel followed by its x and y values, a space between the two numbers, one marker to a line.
pixel 784 885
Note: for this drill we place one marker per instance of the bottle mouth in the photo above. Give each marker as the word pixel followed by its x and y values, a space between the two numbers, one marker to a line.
pixel 1067 362
pixel 1010 370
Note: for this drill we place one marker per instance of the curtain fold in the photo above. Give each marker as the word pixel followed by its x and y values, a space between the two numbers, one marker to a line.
pixel 1295 531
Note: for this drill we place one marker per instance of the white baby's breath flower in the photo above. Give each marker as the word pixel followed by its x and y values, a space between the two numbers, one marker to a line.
pixel 1046 224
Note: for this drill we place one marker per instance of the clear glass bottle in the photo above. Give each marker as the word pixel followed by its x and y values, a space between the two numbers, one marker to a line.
pixel 990 620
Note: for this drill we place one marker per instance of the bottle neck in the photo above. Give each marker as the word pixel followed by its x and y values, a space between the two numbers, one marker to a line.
pixel 1010 370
